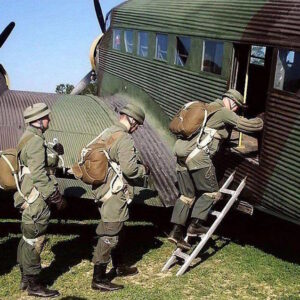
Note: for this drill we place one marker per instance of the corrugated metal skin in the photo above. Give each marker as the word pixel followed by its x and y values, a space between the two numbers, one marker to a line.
pixel 167 85
pixel 274 22
pixel 12 105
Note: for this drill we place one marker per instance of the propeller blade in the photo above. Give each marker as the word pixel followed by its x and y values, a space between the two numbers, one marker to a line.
pixel 6 32
pixel 99 14
pixel 84 82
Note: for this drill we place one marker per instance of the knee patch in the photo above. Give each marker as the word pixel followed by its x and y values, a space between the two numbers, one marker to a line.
pixel 187 200
pixel 215 196
pixel 110 241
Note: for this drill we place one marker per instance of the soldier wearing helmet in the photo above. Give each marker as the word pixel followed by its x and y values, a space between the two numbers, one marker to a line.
pixel 196 175
pixel 40 191
pixel 114 196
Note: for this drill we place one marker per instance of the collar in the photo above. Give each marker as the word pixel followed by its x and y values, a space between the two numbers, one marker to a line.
pixel 121 126
pixel 36 131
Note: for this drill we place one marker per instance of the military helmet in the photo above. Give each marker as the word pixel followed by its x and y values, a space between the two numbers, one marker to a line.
pixel 135 112
pixel 35 112
pixel 236 96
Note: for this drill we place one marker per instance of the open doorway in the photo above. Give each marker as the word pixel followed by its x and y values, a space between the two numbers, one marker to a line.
pixel 251 73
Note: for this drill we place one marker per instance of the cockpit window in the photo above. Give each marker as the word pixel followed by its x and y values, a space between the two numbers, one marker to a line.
pixel 128 38
pixel 108 21
pixel 183 45
pixel 287 75
pixel 117 39
pixel 161 46
pixel 213 57
pixel 142 44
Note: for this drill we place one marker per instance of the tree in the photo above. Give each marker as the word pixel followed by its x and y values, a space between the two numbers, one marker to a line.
pixel 67 89
pixel 64 88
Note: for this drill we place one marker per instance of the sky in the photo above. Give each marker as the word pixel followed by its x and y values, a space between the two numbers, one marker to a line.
pixel 50 43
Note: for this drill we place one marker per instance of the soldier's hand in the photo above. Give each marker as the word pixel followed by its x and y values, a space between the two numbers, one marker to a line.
pixel 147 169
pixel 55 199
pixel 59 149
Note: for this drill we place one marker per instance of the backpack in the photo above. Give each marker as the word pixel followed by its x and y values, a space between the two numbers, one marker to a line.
pixel 94 163
pixel 191 117
pixel 10 166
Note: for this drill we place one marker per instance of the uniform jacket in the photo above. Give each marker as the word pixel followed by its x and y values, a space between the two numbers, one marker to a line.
pixel 224 120
pixel 34 156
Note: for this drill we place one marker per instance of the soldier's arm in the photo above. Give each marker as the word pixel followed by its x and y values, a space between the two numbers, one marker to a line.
pixel 128 160
pixel 36 164
pixel 242 124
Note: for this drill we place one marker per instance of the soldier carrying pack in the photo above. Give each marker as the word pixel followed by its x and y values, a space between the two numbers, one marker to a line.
pixel 191 118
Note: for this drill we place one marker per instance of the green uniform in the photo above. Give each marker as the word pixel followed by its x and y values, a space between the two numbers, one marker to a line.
pixel 197 174
pixel 35 216
pixel 114 209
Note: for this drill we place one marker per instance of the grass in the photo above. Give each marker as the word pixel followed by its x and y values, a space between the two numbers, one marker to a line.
pixel 259 260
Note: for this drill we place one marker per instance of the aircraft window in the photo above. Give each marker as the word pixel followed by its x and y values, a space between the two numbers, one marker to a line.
pixel 117 39
pixel 287 75
pixel 183 45
pixel 108 21
pixel 258 54
pixel 213 56
pixel 128 38
pixel 161 46
pixel 142 44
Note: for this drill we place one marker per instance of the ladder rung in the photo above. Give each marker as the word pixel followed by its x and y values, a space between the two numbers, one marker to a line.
pixel 182 255
pixel 215 213
pixel 226 191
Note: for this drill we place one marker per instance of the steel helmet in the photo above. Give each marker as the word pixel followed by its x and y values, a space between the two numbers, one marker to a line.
pixel 135 112
pixel 35 112
pixel 236 96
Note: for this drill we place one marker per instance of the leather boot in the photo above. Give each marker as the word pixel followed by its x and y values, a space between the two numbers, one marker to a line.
pixel 38 290
pixel 176 237
pixel 196 228
pixel 101 282
pixel 24 280
pixel 122 271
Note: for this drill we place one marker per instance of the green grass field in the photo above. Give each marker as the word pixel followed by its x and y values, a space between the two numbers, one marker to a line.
pixel 257 258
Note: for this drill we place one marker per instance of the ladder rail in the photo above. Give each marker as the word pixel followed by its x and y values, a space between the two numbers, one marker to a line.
pixel 212 228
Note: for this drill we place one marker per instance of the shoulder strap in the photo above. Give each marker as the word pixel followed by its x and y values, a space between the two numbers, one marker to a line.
pixel 23 142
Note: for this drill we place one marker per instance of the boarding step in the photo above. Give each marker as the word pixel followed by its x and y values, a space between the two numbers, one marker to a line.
pixel 188 258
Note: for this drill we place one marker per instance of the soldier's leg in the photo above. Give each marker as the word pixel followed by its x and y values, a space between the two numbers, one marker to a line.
pixel 108 233
pixel 205 180
pixel 181 209
pixel 35 220
pixel 187 196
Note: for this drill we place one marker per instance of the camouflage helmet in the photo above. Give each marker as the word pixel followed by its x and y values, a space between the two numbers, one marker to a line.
pixel 236 96
pixel 135 112
pixel 35 112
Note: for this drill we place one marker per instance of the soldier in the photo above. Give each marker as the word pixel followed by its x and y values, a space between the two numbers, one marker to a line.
pixel 195 170
pixel 114 196
pixel 40 191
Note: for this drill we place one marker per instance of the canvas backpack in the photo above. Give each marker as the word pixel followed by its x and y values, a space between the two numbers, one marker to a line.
pixel 10 166
pixel 191 118
pixel 94 162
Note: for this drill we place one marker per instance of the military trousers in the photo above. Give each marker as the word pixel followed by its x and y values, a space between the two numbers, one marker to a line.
pixel 35 220
pixel 197 188
pixel 107 247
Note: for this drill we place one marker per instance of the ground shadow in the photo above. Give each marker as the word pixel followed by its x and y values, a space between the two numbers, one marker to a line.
pixel 8 251
pixel 70 253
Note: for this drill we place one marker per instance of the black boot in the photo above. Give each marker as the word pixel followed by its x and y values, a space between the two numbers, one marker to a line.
pixel 24 281
pixel 196 228
pixel 118 267
pixel 100 280
pixel 38 290
pixel 176 237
